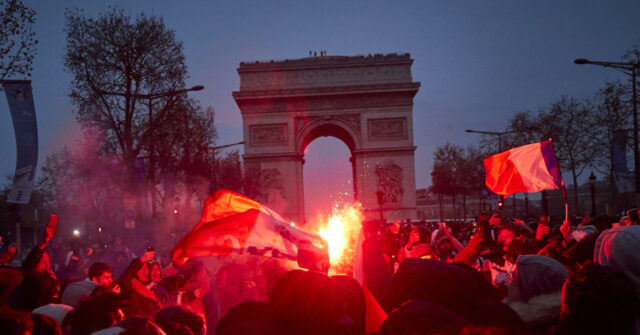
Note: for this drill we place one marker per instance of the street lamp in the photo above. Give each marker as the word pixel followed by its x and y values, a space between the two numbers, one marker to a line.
pixel 380 198
pixel 494 133
pixel 592 187
pixel 630 69
pixel 154 95
pixel 215 167
pixel 150 97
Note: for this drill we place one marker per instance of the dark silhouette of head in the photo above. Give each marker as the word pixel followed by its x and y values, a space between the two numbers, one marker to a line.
pixel 305 302
pixel 422 317
pixel 598 300
pixel 171 315
pixel 94 313
pixel 243 313
pixel 350 301
pixel 44 325
pixel 139 325
pixel 14 322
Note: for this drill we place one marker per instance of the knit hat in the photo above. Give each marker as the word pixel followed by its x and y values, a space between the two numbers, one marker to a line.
pixel 115 330
pixel 618 247
pixel 56 311
pixel 75 292
pixel 536 275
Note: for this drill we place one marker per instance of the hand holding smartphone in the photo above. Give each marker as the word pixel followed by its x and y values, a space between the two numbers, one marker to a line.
pixel 543 228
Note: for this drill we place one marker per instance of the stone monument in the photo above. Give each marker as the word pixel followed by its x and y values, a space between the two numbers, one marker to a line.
pixel 365 101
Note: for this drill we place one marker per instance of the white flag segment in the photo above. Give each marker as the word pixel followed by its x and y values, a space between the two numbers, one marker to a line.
pixel 533 170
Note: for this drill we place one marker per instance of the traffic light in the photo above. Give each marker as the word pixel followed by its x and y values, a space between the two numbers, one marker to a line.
pixel 500 205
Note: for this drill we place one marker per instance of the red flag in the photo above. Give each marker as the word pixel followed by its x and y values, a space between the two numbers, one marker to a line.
pixel 529 168
pixel 231 222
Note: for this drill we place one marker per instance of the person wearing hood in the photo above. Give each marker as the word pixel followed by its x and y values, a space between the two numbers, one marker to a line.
pixel 618 248
pixel 535 291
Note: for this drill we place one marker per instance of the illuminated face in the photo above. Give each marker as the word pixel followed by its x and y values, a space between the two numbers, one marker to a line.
pixel 143 273
pixel 156 272
pixel 105 279
pixel 395 227
pixel 505 237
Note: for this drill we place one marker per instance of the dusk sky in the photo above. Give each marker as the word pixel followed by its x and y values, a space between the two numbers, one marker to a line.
pixel 479 62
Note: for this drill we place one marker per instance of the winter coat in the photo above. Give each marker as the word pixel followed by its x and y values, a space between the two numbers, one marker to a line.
pixel 540 312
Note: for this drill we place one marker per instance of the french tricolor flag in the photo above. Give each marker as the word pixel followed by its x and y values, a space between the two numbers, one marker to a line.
pixel 529 168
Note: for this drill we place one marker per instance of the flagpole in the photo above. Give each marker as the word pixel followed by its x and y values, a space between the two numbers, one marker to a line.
pixel 564 190
pixel 566 202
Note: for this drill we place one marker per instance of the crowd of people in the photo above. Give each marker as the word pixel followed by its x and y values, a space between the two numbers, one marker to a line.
pixel 491 276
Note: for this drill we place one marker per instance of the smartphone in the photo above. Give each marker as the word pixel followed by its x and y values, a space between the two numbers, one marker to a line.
pixel 53 223
pixel 544 220
pixel 634 216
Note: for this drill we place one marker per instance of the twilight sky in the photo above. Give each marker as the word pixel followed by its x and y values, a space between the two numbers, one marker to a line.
pixel 479 62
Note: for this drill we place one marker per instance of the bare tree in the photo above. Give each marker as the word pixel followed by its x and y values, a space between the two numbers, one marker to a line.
pixel 570 124
pixel 446 172
pixel 120 68
pixel 17 40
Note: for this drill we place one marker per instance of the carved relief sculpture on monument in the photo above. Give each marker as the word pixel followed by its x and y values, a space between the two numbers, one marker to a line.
pixel 389 181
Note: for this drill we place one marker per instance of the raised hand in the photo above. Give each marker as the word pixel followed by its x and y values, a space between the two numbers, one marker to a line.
pixel 147 256
pixel 542 231
pixel 565 229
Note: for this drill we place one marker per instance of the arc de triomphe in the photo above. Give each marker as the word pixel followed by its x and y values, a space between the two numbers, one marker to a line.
pixel 365 101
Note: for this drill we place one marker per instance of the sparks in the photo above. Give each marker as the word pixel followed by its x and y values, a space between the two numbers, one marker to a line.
pixel 341 230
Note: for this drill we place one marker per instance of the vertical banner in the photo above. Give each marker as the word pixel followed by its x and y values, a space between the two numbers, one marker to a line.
pixel 23 114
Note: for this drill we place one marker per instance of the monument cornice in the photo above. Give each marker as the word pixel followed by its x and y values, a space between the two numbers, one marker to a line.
pixel 325 62
pixel 244 95
pixel 375 151
pixel 275 156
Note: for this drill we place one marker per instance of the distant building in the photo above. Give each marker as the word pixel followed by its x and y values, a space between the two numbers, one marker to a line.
pixel 433 207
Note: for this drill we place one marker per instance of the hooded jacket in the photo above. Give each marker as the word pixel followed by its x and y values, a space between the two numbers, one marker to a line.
pixel 618 247
pixel 535 292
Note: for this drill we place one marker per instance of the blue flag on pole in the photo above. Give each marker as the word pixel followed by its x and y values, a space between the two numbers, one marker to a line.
pixel 23 114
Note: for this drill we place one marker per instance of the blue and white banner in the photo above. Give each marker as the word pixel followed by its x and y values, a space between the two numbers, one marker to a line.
pixel 23 114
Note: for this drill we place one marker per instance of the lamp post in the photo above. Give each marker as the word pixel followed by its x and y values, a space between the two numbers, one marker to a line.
pixel 493 133
pixel 214 175
pixel 380 198
pixel 499 134
pixel 592 187
pixel 150 97
pixel 632 70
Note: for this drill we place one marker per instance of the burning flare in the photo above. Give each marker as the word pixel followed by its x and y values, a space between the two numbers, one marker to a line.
pixel 341 230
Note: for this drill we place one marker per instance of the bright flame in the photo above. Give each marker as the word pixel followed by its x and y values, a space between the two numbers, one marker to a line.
pixel 341 231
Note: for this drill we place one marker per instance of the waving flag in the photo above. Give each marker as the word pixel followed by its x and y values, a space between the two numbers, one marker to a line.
pixel 529 168
pixel 23 114
pixel 233 223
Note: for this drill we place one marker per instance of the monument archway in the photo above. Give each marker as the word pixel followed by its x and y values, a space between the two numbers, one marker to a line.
pixel 365 101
